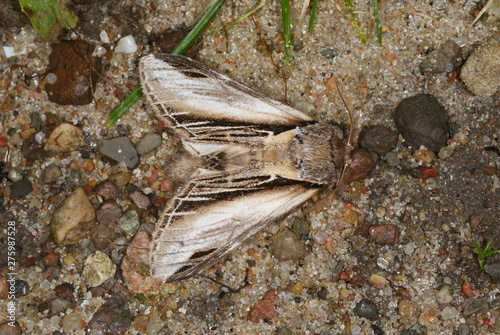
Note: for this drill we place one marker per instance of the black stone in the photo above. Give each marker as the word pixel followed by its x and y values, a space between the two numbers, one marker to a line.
pixel 422 121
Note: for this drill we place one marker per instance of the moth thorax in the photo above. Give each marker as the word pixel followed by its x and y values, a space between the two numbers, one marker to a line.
pixel 318 151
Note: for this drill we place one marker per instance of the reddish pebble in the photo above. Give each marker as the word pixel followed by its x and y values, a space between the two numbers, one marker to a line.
pixel 3 141
pixel 264 308
pixel 490 171
pixel 51 258
pixel 360 166
pixel 153 177
pixel 65 291
pixel 344 276
pixel 386 234
pixel 166 185
pixel 422 172
pixel 107 190
pixel 467 289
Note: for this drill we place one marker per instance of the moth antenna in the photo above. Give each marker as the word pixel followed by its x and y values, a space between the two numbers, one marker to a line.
pixel 353 132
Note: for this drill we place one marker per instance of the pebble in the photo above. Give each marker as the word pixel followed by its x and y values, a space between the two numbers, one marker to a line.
pixel 120 179
pixel 464 329
pixel 350 215
pixel 25 134
pixel 287 246
pixel 493 270
pixel 329 53
pixel 301 228
pixel 72 322
pixel 20 188
pixel 120 149
pixel 65 291
pixel 422 121
pixel 475 306
pixel 98 268
pixel 73 218
pixel 424 156
pixel 392 159
pixel 36 120
pixel 108 212
pixel 360 166
pixel 320 237
pixel 449 313
pixel 385 234
pixel 21 288
pixel 148 142
pixel 58 305
pixel 50 174
pixel 126 45
pixel 443 296
pixel 378 281
pixel 378 139
pixel 129 223
pixel 7 329
pixel 264 308
pixel 76 78
pixel 133 266
pixel 31 149
pixel 446 58
pixel 14 176
pixel 481 71
pixel 64 138
pixel 107 190
pixel 322 293
pixel 102 236
pixel 140 200
pixel 366 309
pixel 409 248
pixel 113 317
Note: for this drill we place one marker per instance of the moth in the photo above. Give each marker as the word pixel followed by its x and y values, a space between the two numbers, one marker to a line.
pixel 259 159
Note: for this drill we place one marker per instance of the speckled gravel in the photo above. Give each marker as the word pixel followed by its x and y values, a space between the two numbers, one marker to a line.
pixel 335 270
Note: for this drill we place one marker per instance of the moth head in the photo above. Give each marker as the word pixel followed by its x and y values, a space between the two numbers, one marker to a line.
pixel 319 152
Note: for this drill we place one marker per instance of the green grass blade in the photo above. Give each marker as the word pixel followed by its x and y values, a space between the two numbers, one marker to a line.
pixel 124 106
pixel 378 27
pixel 180 49
pixel 313 16
pixel 287 30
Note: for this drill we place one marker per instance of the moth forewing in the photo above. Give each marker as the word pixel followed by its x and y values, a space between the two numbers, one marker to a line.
pixel 259 159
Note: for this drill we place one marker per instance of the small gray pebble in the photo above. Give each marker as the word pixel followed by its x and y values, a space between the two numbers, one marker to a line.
pixel 36 120
pixel 121 150
pixel 301 228
pixel 329 53
pixel 422 121
pixel 129 223
pixel 463 329
pixel 366 309
pixel 20 188
pixel 474 306
pixel 378 139
pixel 392 159
pixel 149 142
pixel 58 305
pixel 446 58
pixel 50 174
pixel 493 269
